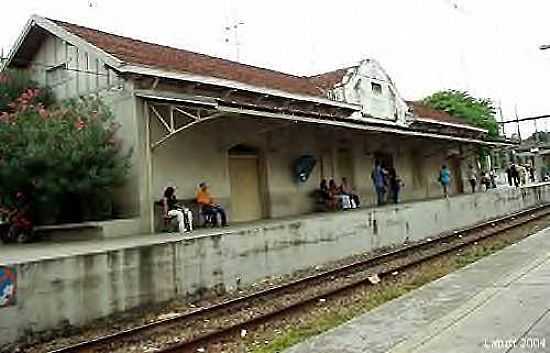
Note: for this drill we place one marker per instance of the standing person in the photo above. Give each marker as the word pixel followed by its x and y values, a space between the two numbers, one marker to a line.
pixel 472 177
pixel 515 174
pixel 207 202
pixel 445 179
pixel 348 190
pixel 379 180
pixel 492 178
pixel 532 173
pixel 173 209
pixel 509 175
pixel 522 172
pixel 484 180
pixel 394 184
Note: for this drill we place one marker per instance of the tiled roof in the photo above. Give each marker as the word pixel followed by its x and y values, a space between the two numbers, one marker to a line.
pixel 423 111
pixel 141 53
pixel 329 79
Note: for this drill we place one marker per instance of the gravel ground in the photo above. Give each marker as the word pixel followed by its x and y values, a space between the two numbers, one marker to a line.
pixel 267 338
pixel 255 340
pixel 55 339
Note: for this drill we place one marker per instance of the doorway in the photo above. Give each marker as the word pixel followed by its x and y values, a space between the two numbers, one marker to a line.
pixel 327 170
pixel 345 165
pixel 244 178
pixel 385 159
pixel 456 172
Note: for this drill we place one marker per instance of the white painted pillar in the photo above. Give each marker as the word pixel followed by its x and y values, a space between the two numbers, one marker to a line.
pixel 149 169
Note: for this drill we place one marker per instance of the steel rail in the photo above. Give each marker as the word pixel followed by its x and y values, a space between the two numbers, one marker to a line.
pixel 195 342
pixel 104 341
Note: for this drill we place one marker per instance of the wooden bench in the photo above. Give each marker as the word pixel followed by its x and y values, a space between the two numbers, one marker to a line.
pixel 163 225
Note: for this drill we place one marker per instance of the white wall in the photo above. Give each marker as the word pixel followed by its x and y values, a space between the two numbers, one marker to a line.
pixel 357 88
pixel 78 288
pixel 85 73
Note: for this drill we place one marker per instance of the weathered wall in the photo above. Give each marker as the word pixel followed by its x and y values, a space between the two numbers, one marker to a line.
pixel 79 288
pixel 72 73
pixel 382 103
pixel 201 154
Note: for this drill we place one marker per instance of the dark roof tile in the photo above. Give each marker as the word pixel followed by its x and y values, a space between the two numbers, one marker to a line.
pixel 141 53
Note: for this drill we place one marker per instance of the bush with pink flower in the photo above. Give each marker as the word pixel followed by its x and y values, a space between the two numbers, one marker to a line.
pixel 13 83
pixel 65 155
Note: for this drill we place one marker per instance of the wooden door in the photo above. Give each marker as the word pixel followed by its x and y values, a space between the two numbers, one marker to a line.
pixel 385 159
pixel 327 171
pixel 345 165
pixel 246 201
pixel 456 175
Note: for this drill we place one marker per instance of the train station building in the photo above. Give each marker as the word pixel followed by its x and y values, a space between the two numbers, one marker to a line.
pixel 191 118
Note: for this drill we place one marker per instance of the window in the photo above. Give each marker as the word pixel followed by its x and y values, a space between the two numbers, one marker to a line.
pixel 376 88
pixel 56 75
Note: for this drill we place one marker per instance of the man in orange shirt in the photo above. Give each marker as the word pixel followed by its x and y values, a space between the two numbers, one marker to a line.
pixel 206 201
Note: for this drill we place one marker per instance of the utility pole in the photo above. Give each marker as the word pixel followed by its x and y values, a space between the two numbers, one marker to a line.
pixel 536 133
pixel 235 29
pixel 517 122
pixel 501 117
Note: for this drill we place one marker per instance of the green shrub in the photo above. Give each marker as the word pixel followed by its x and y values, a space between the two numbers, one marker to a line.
pixel 67 156
pixel 13 83
pixel 479 112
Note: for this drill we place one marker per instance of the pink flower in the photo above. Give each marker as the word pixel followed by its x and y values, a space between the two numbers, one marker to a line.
pixel 80 124
pixel 4 117
pixel 44 114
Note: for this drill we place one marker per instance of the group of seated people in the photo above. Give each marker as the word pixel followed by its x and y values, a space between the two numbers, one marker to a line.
pixel 338 197
pixel 334 197
pixel 207 205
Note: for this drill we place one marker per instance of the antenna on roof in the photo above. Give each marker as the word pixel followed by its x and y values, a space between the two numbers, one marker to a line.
pixel 3 58
pixel 232 30
pixel 457 7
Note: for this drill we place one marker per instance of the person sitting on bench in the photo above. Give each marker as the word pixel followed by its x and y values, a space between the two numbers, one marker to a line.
pixel 346 189
pixel 208 204
pixel 173 209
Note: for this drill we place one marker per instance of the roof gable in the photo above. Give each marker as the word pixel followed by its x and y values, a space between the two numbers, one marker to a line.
pixel 136 52
pixel 127 55
pixel 328 80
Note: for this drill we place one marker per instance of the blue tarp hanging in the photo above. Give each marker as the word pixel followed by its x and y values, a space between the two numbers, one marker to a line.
pixel 303 167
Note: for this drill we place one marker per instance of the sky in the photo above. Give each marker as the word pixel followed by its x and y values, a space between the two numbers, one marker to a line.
pixel 488 47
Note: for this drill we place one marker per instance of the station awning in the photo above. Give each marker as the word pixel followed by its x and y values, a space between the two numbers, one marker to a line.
pixel 214 108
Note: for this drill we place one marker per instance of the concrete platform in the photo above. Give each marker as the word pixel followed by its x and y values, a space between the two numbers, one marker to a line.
pixel 55 284
pixel 498 304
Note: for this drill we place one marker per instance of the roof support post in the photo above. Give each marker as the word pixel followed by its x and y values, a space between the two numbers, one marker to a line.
pixel 149 169
pixel 171 118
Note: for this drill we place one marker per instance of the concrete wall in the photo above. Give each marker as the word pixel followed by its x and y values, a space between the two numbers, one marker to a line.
pixel 72 73
pixel 78 288
pixel 201 154
pixel 78 72
pixel 357 88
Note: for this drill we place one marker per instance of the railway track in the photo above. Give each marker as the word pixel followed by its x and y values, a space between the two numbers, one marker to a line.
pixel 189 332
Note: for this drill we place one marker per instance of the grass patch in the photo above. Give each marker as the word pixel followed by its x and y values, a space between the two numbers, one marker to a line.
pixel 322 318
pixel 329 319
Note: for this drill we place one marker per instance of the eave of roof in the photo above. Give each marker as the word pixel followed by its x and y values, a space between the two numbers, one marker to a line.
pixel 143 54
pixel 444 123
pixel 433 116
pixel 234 85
